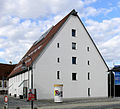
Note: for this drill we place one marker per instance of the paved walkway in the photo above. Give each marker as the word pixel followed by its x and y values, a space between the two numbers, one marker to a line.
pixel 92 103
pixel 80 105
pixel 88 103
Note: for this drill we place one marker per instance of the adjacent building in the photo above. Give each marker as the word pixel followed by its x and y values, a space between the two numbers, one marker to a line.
pixel 114 81
pixel 5 70
pixel 64 54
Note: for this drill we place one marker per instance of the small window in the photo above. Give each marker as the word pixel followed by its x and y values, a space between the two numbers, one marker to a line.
pixel 58 74
pixel 88 49
pixel 73 60
pixel 74 76
pixel 73 45
pixel 88 91
pixel 88 75
pixel 58 45
pixel 58 60
pixel 0 83
pixel 73 32
pixel 88 62
pixel 5 84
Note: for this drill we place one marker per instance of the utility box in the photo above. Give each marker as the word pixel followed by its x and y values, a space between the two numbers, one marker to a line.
pixel 58 93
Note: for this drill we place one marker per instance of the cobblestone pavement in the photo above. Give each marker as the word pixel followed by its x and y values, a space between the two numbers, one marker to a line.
pixel 89 103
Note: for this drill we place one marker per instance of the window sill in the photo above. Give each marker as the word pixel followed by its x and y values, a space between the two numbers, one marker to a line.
pixel 74 80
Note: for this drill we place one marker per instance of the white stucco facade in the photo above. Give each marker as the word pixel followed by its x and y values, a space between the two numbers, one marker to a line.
pixel 46 66
pixel 17 83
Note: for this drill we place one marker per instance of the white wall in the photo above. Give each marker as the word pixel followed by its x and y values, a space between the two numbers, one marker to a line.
pixel 14 84
pixel 46 65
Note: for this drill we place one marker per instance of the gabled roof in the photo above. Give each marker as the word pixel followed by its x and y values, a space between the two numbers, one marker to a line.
pixel 39 45
pixel 5 70
pixel 37 48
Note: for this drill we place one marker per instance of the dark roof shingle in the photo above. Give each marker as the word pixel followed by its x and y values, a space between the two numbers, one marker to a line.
pixel 5 69
pixel 36 49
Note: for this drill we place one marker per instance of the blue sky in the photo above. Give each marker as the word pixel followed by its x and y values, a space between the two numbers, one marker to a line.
pixel 23 21
pixel 108 4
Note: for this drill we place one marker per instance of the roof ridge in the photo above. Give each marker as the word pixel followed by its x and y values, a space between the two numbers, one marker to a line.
pixel 36 49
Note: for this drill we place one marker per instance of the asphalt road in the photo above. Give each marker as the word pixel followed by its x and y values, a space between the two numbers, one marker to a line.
pixel 89 103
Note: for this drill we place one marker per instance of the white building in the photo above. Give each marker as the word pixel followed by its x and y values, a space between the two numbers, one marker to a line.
pixel 65 54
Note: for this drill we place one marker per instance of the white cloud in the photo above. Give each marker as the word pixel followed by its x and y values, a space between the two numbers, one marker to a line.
pixel 89 1
pixel 119 4
pixel 21 23
pixel 105 11
pixel 89 11
pixel 39 8
pixel 107 36
pixel 16 37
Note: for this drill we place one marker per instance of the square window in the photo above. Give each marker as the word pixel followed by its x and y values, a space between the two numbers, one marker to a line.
pixel 73 45
pixel 58 74
pixel 73 32
pixel 89 92
pixel 73 60
pixel 74 76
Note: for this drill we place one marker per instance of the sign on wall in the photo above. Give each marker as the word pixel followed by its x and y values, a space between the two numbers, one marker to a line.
pixel 117 78
pixel 31 95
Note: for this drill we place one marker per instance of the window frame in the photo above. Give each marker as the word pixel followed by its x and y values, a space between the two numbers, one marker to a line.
pixel 74 60
pixel 73 32
pixel 58 74
pixel 58 45
pixel 89 92
pixel 74 46
pixel 88 75
pixel 88 49
pixel 5 84
pixel 88 62
pixel 0 83
pixel 58 60
pixel 74 76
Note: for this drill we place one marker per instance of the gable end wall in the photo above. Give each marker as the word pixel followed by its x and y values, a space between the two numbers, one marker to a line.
pixel 46 65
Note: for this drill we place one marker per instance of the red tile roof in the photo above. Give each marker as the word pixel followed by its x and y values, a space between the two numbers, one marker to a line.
pixel 5 70
pixel 36 49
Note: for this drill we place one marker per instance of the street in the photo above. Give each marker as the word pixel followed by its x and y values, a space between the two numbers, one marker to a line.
pixel 88 103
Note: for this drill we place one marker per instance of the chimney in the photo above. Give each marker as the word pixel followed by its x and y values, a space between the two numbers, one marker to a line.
pixel 10 62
